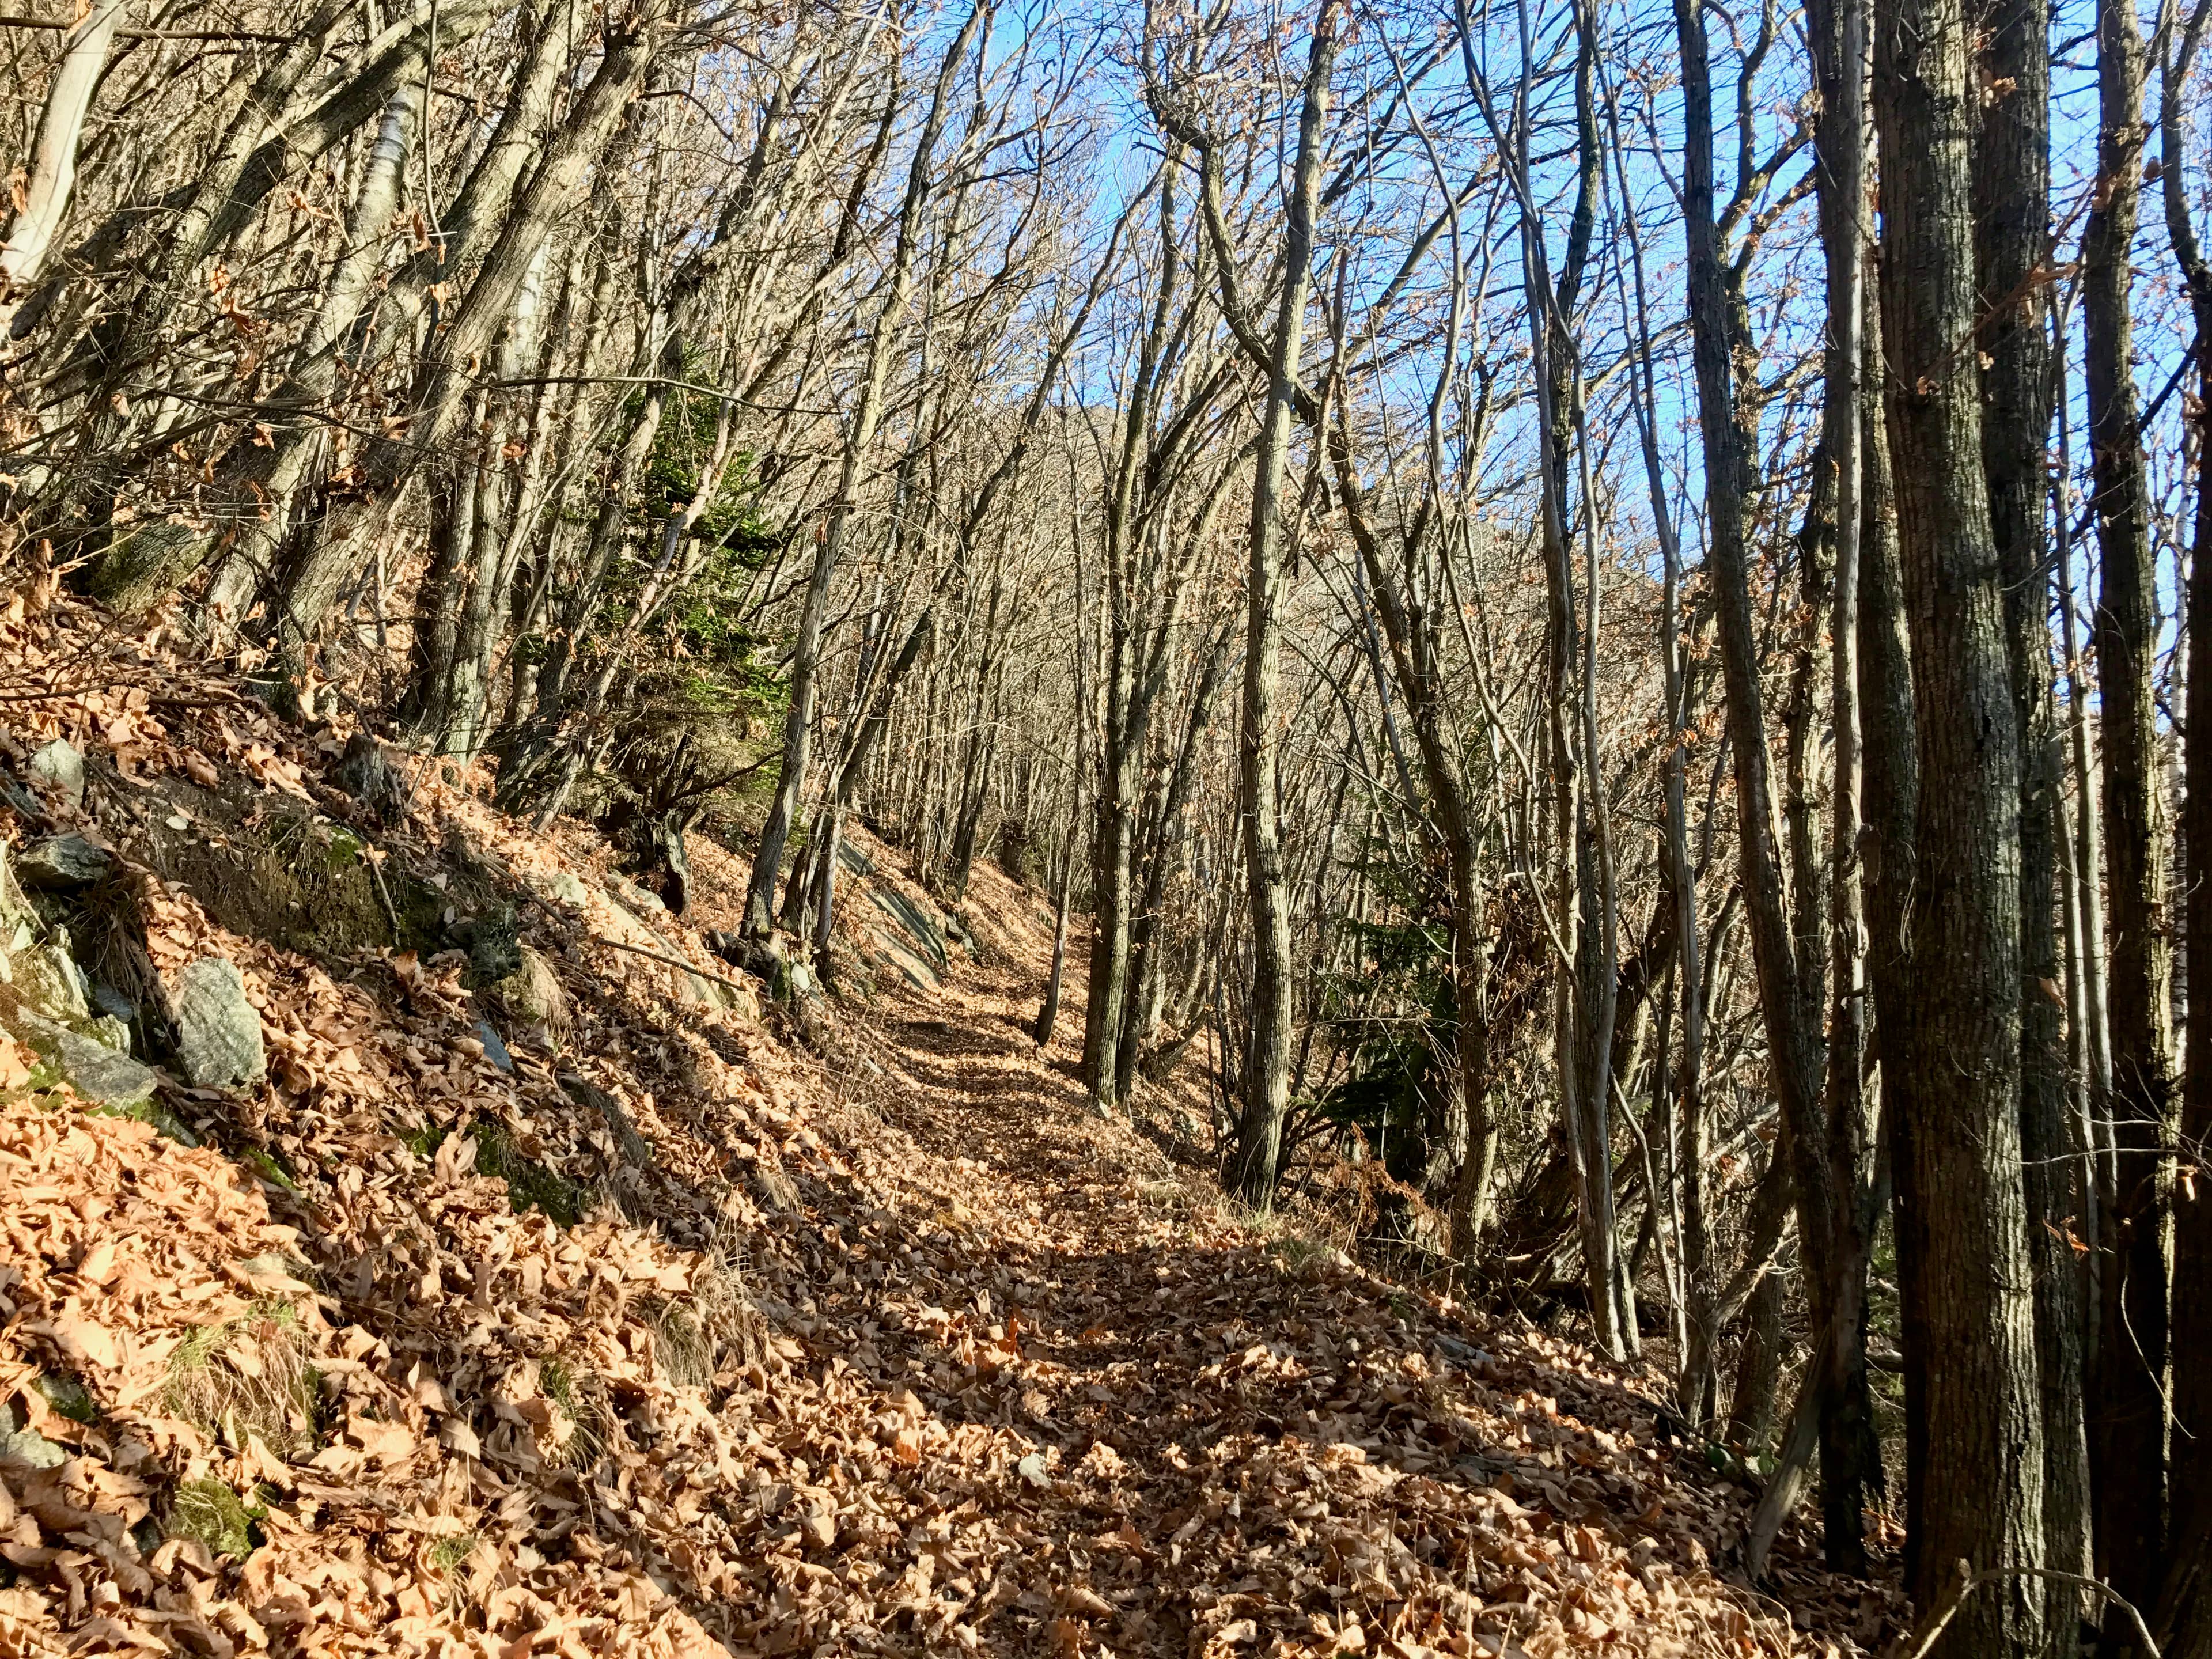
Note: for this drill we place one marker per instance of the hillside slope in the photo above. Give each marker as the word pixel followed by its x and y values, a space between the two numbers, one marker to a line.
pixel 545 1296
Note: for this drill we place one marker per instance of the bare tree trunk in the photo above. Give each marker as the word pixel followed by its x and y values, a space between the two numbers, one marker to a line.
pixel 859 438
pixel 2127 1427
pixel 257 480
pixel 2013 189
pixel 1789 986
pixel 1892 795
pixel 1851 1455
pixel 2185 1621
pixel 1964 1262
pixel 51 173
pixel 1049 1011
pixel 1252 1166
pixel 312 582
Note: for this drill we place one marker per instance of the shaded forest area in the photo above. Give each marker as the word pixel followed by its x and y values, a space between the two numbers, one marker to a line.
pixel 1586 610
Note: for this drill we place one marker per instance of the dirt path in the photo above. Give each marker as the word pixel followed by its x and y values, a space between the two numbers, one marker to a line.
pixel 1122 1423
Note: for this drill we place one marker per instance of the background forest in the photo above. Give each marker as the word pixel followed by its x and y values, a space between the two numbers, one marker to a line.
pixel 1584 607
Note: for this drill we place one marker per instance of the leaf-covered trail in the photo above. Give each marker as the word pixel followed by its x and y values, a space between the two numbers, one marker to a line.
pixel 1211 1438
pixel 669 1334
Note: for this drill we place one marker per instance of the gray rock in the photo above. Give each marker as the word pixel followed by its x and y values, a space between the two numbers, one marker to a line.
pixel 56 864
pixel 106 999
pixel 917 922
pixel 61 768
pixel 532 991
pixel 109 1032
pixel 494 1050
pixel 218 1031
pixel 19 926
pixel 95 1070
pixel 29 1446
pixel 565 887
pixel 21 802
pixel 46 977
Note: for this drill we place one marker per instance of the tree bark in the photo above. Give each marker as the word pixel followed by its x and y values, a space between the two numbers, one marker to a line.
pixel 2185 1620
pixel 1253 1167
pixel 1964 1265
pixel 2012 187
pixel 2127 1422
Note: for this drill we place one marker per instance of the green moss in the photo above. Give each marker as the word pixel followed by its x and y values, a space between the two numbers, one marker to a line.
pixel 268 1165
pixel 530 1185
pixel 210 1512
pixel 68 1395
pixel 344 851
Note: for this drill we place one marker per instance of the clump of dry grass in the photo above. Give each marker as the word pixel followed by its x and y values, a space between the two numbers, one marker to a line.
pixel 253 1375
pixel 715 1327
pixel 582 1416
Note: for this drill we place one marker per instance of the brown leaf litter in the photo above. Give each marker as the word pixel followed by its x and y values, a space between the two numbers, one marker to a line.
pixel 896 1351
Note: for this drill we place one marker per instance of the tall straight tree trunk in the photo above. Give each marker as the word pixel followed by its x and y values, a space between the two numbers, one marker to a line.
pixel 2127 1421
pixel 1965 1270
pixel 1048 1010
pixel 1268 1072
pixel 1114 842
pixel 1851 1455
pixel 2184 1620
pixel 1891 780
pixel 2012 184
pixel 1696 1320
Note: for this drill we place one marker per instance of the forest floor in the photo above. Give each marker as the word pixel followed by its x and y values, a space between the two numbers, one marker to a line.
pixel 644 1318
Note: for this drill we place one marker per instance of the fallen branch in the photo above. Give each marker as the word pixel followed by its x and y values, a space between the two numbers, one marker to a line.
pixel 674 962
pixel 1971 1580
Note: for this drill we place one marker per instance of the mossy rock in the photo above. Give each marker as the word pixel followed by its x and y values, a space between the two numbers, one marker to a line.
pixel 164 1122
pixel 66 1393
